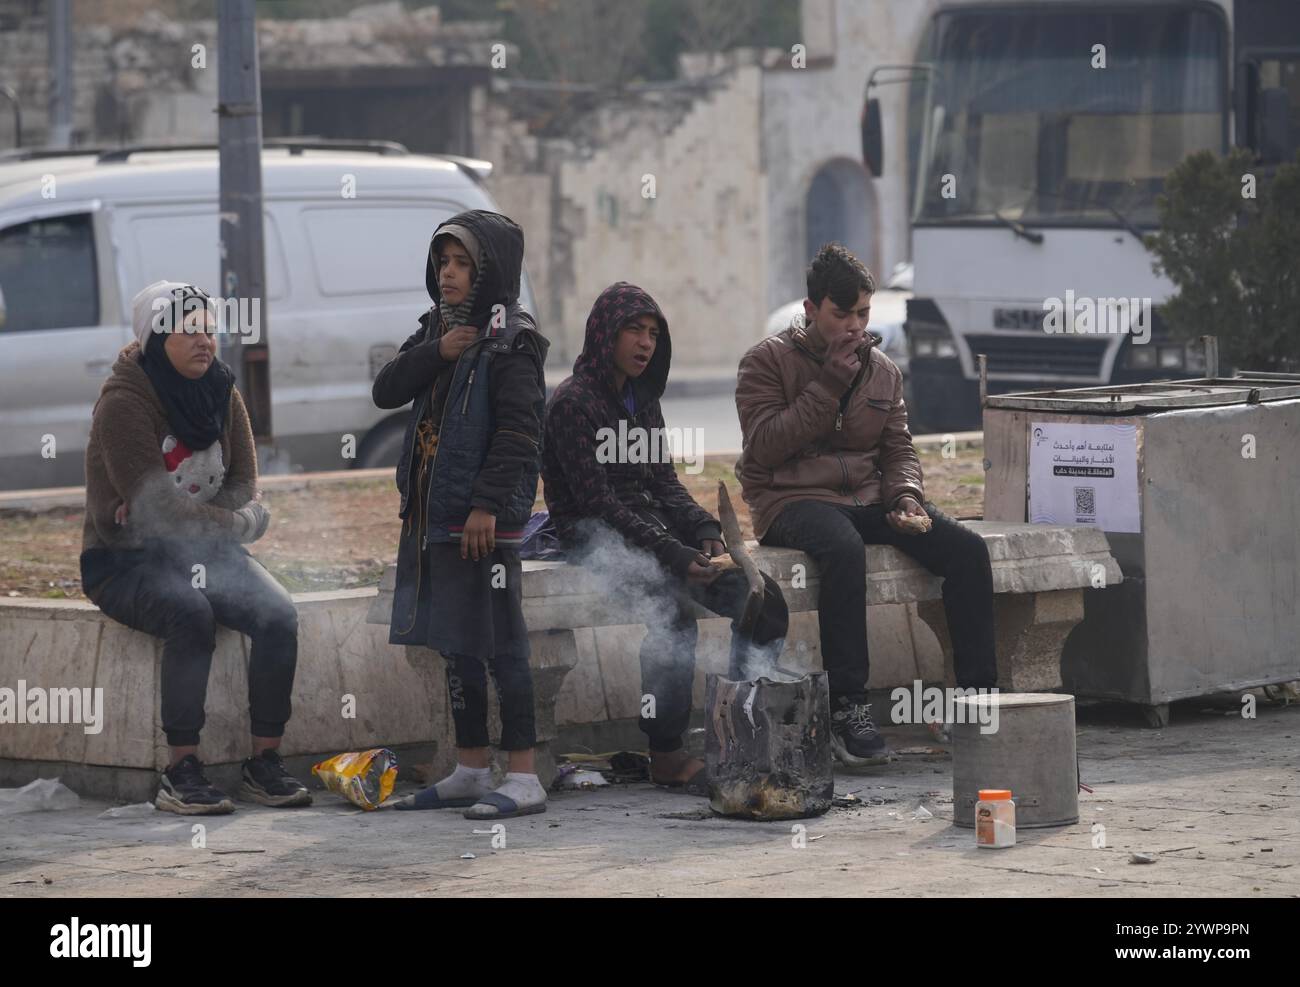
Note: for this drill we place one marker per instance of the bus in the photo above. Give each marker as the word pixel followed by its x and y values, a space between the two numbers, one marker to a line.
pixel 1040 134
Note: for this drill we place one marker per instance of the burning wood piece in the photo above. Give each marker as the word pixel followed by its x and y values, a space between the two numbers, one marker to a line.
pixel 740 556
pixel 767 749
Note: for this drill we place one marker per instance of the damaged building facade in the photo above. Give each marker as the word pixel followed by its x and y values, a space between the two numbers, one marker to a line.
pixel 710 190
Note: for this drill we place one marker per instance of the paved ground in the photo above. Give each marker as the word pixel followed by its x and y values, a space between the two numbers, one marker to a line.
pixel 1213 798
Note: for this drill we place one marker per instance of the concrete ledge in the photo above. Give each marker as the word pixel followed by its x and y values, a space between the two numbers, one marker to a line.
pixel 70 644
pixel 585 660
pixel 1026 558
pixel 1039 575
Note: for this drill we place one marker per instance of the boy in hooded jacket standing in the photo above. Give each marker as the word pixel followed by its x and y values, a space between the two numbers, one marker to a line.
pixel 468 479
pixel 614 390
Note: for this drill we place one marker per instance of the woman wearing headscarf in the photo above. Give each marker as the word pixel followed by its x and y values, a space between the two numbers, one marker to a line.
pixel 171 474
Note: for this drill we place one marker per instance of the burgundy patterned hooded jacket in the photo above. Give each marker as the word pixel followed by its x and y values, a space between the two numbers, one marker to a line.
pixel 645 503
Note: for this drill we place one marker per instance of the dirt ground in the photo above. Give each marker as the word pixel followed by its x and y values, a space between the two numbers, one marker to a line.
pixel 340 535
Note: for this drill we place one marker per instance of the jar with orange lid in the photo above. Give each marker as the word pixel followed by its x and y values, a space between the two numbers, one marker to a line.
pixel 995 819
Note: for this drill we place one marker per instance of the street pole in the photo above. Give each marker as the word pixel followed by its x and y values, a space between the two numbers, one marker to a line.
pixel 58 27
pixel 245 347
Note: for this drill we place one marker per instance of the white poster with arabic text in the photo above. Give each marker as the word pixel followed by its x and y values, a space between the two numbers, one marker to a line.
pixel 1084 474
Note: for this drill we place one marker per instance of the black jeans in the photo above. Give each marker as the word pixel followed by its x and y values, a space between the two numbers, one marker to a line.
pixel 834 536
pixel 668 650
pixel 467 690
pixel 158 597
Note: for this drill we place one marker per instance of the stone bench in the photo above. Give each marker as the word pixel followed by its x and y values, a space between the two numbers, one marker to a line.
pixel 70 644
pixel 1039 575
pixel 584 659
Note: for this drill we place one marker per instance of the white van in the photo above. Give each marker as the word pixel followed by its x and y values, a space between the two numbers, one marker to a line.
pixel 81 233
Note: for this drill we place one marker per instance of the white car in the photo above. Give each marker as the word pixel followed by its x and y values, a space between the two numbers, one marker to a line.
pixel 888 312
pixel 81 233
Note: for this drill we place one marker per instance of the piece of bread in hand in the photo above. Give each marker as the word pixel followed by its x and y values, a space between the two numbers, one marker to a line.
pixel 915 523
pixel 724 561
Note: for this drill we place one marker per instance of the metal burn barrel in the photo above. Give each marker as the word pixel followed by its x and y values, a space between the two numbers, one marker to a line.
pixel 767 747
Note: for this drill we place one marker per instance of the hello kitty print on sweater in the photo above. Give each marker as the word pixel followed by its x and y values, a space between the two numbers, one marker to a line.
pixel 195 474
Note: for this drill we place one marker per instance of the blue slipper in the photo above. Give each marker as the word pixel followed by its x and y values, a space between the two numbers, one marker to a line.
pixel 428 799
pixel 504 807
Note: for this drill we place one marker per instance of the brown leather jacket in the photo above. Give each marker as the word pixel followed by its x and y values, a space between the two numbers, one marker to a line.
pixel 806 438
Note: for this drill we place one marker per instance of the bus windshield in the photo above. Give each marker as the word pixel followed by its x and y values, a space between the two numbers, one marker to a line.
pixel 1031 131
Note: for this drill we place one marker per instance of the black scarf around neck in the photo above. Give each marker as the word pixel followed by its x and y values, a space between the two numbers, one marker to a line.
pixel 196 409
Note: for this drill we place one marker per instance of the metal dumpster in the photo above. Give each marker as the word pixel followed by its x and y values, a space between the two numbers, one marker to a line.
pixel 1197 484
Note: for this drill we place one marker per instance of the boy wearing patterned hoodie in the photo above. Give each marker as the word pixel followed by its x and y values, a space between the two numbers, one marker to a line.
pixel 615 389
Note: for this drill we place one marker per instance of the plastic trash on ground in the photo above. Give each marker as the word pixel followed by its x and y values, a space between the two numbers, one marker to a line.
pixel 136 811
pixel 41 795
pixel 582 779
pixel 365 779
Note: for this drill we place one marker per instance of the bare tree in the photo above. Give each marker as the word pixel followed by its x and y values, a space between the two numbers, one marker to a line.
pixel 585 41
pixel 716 25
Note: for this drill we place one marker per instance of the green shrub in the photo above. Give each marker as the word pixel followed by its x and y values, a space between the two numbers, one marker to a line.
pixel 1234 259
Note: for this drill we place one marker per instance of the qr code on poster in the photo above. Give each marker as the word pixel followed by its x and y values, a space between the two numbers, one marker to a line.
pixel 1085 501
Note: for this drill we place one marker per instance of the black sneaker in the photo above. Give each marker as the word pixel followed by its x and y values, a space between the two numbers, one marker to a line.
pixel 267 781
pixel 185 790
pixel 854 737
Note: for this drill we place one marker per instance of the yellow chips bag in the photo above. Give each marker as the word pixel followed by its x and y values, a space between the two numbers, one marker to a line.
pixel 365 779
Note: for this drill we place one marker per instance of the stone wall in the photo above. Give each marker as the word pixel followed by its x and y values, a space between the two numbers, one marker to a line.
pixel 811 118
pixel 734 169
pixel 137 80
pixel 698 245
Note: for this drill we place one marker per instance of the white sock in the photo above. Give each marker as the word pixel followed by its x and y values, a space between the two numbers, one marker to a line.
pixel 465 782
pixel 524 789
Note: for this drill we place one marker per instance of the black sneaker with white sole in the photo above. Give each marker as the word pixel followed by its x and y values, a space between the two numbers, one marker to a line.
pixel 267 781
pixel 185 791
pixel 854 737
